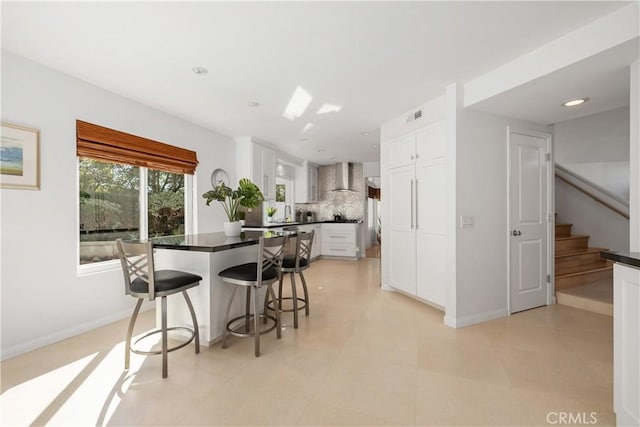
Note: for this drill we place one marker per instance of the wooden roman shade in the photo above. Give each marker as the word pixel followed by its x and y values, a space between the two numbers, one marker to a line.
pixel 110 145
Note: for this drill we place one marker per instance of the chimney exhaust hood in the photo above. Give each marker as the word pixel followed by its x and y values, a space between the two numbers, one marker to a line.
pixel 342 177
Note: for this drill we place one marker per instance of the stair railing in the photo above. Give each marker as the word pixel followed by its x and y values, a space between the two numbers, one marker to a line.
pixel 593 190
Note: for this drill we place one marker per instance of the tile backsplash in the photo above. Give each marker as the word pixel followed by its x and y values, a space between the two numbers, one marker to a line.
pixel 349 203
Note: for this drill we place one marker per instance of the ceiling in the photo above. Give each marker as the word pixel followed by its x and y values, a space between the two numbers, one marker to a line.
pixel 376 60
pixel 603 78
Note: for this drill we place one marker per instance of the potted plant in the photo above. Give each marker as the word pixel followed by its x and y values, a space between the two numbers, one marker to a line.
pixel 247 195
pixel 271 211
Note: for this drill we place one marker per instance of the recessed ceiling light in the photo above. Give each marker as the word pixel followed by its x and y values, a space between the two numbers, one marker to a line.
pixel 334 159
pixel 304 139
pixel 253 104
pixel 320 150
pixel 575 102
pixel 200 70
pixel 375 146
pixel 364 133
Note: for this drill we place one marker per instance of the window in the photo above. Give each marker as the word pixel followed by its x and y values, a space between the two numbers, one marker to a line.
pixel 129 188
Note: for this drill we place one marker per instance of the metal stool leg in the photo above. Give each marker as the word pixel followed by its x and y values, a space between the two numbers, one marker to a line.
pixel 247 311
pixel 165 368
pixel 271 292
pixel 306 294
pixel 280 292
pixel 294 299
pixel 256 321
pixel 225 334
pixel 196 330
pixel 127 348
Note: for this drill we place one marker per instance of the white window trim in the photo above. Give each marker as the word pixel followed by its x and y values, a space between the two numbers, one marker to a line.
pixel 114 264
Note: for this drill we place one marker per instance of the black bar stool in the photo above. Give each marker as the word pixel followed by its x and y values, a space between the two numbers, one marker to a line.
pixel 254 276
pixel 294 264
pixel 142 281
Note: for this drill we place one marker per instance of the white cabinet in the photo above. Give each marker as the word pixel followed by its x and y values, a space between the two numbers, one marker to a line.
pixel 339 240
pixel 306 183
pixel 258 163
pixel 626 344
pixel 317 239
pixel 416 237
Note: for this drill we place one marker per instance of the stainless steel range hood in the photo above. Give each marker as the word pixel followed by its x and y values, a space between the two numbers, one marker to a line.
pixel 342 177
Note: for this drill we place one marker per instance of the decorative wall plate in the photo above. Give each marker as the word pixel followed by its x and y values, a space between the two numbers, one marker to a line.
pixel 219 175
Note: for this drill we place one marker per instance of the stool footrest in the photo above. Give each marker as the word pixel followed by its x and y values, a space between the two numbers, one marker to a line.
pixel 287 310
pixel 169 350
pixel 249 320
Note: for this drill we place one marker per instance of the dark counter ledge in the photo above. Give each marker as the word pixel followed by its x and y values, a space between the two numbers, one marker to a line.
pixel 295 223
pixel 629 258
pixel 211 242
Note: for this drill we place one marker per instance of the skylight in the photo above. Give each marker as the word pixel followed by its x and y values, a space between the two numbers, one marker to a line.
pixel 298 104
pixel 329 108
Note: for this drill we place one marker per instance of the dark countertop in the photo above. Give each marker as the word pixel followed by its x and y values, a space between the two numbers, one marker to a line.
pixel 211 242
pixel 629 258
pixel 289 224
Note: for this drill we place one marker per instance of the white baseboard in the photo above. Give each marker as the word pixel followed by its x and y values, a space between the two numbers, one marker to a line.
pixel 387 288
pixel 460 322
pixel 18 349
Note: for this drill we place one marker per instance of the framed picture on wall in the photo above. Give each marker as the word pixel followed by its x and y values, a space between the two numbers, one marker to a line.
pixel 19 157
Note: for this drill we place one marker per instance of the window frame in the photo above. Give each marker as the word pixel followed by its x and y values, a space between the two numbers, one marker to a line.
pixel 114 264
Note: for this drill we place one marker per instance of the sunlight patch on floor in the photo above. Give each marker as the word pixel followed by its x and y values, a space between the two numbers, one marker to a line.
pixel 81 393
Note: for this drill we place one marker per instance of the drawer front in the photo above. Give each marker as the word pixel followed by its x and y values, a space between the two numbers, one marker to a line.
pixel 339 250
pixel 340 237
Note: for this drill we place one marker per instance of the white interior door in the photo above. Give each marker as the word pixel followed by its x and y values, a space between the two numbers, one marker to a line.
pixel 529 219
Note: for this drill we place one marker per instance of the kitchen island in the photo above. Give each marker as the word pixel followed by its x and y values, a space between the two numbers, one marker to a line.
pixel 206 255
pixel 626 336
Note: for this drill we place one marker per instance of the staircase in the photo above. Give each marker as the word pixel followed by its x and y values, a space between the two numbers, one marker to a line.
pixel 582 279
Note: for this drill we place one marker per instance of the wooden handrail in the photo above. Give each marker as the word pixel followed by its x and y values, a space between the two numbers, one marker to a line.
pixel 596 192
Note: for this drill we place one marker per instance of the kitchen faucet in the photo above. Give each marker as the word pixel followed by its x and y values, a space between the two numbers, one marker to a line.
pixel 287 212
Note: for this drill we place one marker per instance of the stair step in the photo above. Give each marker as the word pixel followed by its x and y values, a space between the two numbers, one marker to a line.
pixel 574 252
pixel 572 280
pixel 572 242
pixel 596 297
pixel 566 269
pixel 563 230
pixel 583 258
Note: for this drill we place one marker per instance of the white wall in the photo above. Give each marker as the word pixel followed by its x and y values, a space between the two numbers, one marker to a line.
pixel 602 137
pixel 43 298
pixel 481 192
pixel 634 167
pixel 596 147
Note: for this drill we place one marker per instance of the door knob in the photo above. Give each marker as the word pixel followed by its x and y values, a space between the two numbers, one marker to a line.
pixel 516 232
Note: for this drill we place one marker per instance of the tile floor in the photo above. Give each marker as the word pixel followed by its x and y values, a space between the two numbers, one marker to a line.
pixel 364 357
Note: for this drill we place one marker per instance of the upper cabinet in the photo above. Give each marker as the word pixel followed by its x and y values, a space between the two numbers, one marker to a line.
pixel 306 183
pixel 258 163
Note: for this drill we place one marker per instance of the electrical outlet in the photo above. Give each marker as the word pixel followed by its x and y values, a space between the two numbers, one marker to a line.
pixel 466 222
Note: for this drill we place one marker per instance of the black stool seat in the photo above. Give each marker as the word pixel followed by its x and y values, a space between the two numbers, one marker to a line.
pixel 289 261
pixel 249 272
pixel 165 280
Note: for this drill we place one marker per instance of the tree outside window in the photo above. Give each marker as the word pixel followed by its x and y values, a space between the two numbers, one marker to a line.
pixel 109 206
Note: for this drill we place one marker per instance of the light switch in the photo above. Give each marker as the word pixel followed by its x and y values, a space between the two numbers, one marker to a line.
pixel 466 222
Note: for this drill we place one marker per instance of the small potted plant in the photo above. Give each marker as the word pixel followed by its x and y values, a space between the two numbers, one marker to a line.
pixel 247 195
pixel 271 211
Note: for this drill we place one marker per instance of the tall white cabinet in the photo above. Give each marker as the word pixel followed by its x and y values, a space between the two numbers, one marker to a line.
pixel 258 163
pixel 415 234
